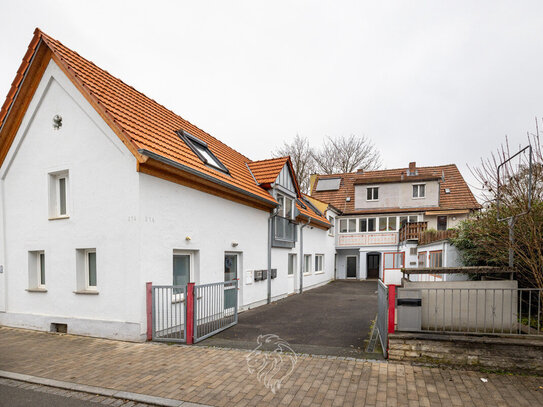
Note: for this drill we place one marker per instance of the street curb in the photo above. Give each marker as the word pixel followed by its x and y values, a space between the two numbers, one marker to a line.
pixel 101 391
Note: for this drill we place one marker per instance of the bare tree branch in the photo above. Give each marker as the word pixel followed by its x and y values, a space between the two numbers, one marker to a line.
pixel 302 157
pixel 347 154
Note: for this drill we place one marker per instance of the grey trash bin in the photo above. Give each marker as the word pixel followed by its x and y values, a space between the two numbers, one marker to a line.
pixel 409 306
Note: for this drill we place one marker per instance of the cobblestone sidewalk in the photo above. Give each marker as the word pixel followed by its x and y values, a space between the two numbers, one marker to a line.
pixel 220 377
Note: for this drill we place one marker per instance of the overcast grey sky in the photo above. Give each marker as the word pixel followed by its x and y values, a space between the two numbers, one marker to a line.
pixel 429 81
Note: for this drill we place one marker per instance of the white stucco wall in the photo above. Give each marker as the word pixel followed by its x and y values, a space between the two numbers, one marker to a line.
pixel 173 212
pixel 103 194
pixel 134 221
pixel 397 195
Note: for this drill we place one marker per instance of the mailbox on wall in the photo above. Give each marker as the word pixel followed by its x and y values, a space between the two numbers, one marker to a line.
pixel 260 275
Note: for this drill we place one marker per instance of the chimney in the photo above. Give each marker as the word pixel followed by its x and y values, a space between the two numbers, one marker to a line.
pixel 360 170
pixel 412 168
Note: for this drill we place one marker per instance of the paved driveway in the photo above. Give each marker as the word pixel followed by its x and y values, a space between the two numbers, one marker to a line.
pixel 334 319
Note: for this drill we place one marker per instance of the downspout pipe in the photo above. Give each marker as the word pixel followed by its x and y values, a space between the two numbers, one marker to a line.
pixel 302 254
pixel 270 239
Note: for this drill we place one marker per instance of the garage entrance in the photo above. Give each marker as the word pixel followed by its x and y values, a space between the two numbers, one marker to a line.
pixel 334 319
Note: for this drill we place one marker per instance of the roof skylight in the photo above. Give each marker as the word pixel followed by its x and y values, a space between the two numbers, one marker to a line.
pixel 202 150
pixel 328 184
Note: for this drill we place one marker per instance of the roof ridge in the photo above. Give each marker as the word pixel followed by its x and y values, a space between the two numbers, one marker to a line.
pixel 386 169
pixel 53 40
pixel 286 157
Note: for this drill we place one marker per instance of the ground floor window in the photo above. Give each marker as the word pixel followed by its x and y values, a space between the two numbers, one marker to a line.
pixel 394 260
pixel 436 258
pixel 90 270
pixel 87 270
pixel 291 264
pixel 307 263
pixel 319 260
pixel 36 270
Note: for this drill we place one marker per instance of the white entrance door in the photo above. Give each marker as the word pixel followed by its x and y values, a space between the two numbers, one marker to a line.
pixel 292 273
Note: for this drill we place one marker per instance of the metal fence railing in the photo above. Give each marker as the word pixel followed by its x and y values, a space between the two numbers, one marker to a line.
pixel 169 313
pixel 517 311
pixel 382 315
pixel 215 308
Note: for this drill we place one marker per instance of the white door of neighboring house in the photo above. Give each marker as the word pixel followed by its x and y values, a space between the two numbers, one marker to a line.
pixel 292 273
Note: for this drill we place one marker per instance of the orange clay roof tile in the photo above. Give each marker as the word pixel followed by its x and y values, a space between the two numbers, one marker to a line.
pixel 267 171
pixel 146 124
pixel 460 196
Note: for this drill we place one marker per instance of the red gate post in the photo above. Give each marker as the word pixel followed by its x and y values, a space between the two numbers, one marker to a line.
pixel 391 308
pixel 189 324
pixel 149 310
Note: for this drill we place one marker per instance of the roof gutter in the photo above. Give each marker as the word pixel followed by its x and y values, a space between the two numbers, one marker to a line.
pixel 192 171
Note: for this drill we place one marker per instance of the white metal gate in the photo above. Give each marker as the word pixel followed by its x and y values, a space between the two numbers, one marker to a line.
pixel 215 308
pixel 169 313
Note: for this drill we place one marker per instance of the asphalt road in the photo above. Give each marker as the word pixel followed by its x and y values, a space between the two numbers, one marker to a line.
pixel 334 319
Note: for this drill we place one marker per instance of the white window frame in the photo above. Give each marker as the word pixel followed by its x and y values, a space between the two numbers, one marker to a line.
pixel 283 210
pixel 89 287
pixel 306 266
pixel 34 271
pixel 348 220
pixel 332 221
pixel 55 197
pixel 292 258
pixel 319 258
pixel 39 255
pixel 372 188
pixel 417 187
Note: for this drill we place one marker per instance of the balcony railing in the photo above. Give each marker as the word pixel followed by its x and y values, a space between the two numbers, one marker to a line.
pixel 412 231
pixel 430 236
pixel 419 231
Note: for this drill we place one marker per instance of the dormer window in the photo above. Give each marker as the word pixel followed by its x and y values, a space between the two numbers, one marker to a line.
pixel 372 194
pixel 286 207
pixel 419 191
pixel 202 150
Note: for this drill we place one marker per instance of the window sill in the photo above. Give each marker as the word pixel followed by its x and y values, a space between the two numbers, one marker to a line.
pixel 59 217
pixel 319 272
pixel 291 275
pixel 36 290
pixel 418 197
pixel 307 274
pixel 87 292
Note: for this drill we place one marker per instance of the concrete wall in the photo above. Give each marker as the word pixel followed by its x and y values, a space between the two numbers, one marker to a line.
pixel 517 354
pixel 103 191
pixel 397 195
pixel 485 306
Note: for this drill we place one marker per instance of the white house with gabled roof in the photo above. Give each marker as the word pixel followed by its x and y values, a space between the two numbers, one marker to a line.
pixel 103 189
